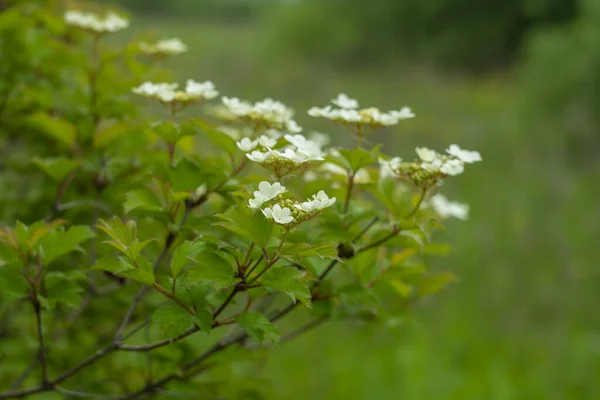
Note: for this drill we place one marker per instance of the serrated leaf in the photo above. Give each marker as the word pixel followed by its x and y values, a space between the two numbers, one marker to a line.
pixel 142 199
pixel 12 284
pixel 288 280
pixel 61 130
pixel 217 138
pixel 296 252
pixel 57 168
pixel 247 224
pixel 119 231
pixel 358 297
pixel 121 266
pixel 258 326
pixel 204 319
pixel 182 256
pixel 172 320
pixel 62 288
pixel 209 267
pixel 432 284
pixel 358 158
pixel 58 243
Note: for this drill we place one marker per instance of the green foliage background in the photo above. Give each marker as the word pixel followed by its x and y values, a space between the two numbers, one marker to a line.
pixel 522 322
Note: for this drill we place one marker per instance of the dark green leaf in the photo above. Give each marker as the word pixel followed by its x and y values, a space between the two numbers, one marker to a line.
pixel 297 252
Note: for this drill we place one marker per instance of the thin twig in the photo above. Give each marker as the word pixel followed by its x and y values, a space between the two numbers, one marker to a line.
pixel 40 335
pixel 349 188
pixel 226 302
pixel 73 393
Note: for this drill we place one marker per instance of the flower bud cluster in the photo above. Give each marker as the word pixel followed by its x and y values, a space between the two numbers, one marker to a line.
pixel 165 47
pixel 267 113
pixel 110 23
pixel 286 211
pixel 168 93
pixel 297 154
pixel 348 113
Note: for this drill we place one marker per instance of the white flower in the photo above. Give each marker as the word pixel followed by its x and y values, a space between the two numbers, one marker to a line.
pixel 236 106
pixel 265 192
pixel 426 154
pixel 292 155
pixel 204 90
pixel 161 91
pixel 464 155
pixel 403 113
pixel 246 144
pixel 434 165
pixel 273 134
pixel 293 127
pixel 343 101
pixel 89 21
pixel 324 112
pixel 259 156
pixel 321 200
pixel 266 141
pixel 297 140
pixel 319 138
pixel 387 167
pixel 311 153
pixel 447 209
pixel 349 115
pixel 307 206
pixel 278 214
pixel 452 167
pixel 165 46
pixel 310 176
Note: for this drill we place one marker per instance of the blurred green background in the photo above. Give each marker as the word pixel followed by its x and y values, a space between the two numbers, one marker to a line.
pixel 518 80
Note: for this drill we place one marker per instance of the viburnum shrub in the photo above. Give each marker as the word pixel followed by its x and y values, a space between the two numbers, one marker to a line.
pixel 148 247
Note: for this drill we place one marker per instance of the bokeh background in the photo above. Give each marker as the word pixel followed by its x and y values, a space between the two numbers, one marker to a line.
pixel 517 80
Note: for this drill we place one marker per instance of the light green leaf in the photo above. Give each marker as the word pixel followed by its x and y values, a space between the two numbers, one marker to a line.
pixel 204 319
pixel 121 266
pixel 118 230
pixel 12 284
pixel 171 133
pixel 172 320
pixel 182 256
pixel 296 252
pixel 56 128
pixel 209 267
pixel 58 168
pixel 250 225
pixel 288 280
pixel 258 326
pixel 142 199
pixel 59 242
pixel 358 158
pixel 432 284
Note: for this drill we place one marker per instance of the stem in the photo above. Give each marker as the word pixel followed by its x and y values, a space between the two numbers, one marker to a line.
pixel 419 202
pixel 62 188
pixel 349 188
pixel 254 266
pixel 226 302
pixel 40 335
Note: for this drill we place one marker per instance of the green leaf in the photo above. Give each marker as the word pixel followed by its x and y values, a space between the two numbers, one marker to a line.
pixel 62 288
pixel 59 242
pixel 432 284
pixel 58 129
pixel 210 267
pixel 58 168
pixel 142 199
pixel 106 136
pixel 172 320
pixel 121 266
pixel 288 280
pixel 171 133
pixel 217 138
pixel 186 176
pixel 258 326
pixel 204 319
pixel 357 297
pixel 183 255
pixel 12 284
pixel 297 252
pixel 118 230
pixel 358 158
pixel 247 224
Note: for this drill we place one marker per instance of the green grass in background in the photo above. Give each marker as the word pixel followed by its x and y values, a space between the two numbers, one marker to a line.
pixel 523 322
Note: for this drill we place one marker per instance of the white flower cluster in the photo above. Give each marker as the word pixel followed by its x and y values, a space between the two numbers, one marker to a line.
pixel 349 112
pixel 291 211
pixel 388 168
pixel 111 22
pixel 168 93
pixel 300 150
pixel 447 209
pixel 164 47
pixel 451 164
pixel 268 112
